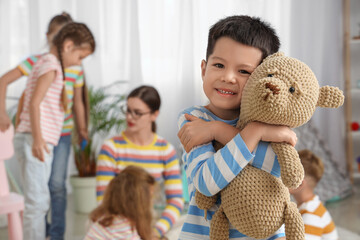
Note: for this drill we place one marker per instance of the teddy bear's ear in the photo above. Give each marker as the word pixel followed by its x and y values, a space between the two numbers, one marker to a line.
pixel 277 54
pixel 330 97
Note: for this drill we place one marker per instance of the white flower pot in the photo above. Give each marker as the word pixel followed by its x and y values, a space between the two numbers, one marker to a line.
pixel 84 193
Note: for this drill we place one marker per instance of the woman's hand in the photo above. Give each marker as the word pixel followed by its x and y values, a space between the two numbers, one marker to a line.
pixel 39 145
pixel 195 132
pixel 5 122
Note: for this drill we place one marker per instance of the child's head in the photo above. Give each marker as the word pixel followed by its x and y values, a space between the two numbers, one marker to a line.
pixel 236 46
pixel 74 42
pixel 129 194
pixel 56 23
pixel 313 166
pixel 250 31
pixel 143 104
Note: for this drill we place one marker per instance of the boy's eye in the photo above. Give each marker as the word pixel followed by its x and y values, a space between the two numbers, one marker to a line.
pixel 270 75
pixel 291 89
pixel 219 65
pixel 244 72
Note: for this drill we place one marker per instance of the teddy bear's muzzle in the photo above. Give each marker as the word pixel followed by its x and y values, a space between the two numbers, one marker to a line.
pixel 275 90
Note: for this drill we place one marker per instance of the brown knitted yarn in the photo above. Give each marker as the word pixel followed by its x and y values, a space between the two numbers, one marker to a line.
pixel 259 198
pixel 284 107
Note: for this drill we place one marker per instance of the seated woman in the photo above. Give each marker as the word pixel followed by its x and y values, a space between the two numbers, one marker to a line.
pixel 139 145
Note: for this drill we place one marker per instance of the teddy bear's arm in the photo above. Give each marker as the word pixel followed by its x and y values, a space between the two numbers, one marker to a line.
pixel 292 171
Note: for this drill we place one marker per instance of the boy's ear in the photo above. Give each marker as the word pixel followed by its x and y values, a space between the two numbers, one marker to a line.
pixel 68 45
pixel 203 68
pixel 330 97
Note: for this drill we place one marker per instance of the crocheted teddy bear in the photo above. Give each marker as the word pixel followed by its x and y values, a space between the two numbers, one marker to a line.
pixel 281 91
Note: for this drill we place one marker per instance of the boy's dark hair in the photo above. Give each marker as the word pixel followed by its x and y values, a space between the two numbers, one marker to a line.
pixel 247 30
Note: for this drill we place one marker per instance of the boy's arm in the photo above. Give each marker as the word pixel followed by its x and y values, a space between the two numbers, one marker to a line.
pixel 212 171
pixel 5 80
pixel 42 85
pixel 106 168
pixel 197 131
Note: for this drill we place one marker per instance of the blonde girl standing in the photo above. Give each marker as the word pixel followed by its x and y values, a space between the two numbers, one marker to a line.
pixel 77 105
pixel 126 209
pixel 42 118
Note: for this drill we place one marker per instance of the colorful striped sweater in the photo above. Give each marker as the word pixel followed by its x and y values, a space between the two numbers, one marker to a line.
pixel 74 78
pixel 317 221
pixel 120 229
pixel 209 172
pixel 159 159
pixel 50 108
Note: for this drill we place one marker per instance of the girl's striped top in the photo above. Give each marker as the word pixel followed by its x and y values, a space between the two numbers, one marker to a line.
pixel 159 159
pixel 74 78
pixel 317 221
pixel 120 229
pixel 209 172
pixel 51 110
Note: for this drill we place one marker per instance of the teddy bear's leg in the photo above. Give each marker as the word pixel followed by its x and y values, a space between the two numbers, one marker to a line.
pixel 219 227
pixel 294 225
pixel 204 202
pixel 292 171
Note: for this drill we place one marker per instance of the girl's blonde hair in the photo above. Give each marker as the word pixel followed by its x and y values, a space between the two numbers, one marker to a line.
pixel 80 34
pixel 129 195
pixel 312 164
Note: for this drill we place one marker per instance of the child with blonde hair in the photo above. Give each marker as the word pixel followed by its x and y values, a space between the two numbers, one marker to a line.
pixel 126 209
pixel 317 220
pixel 77 104
pixel 42 118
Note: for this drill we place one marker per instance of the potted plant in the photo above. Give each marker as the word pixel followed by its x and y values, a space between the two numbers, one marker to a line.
pixel 105 117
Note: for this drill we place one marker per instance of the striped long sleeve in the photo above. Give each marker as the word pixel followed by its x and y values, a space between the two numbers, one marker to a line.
pixel 317 220
pixel 212 171
pixel 74 78
pixel 158 158
pixel 209 172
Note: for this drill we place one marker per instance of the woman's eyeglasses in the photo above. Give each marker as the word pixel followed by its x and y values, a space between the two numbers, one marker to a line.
pixel 135 114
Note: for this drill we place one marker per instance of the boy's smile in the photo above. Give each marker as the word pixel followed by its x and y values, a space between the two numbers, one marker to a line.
pixel 225 74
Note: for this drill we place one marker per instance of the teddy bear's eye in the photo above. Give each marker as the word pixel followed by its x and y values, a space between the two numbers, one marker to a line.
pixel 270 75
pixel 292 89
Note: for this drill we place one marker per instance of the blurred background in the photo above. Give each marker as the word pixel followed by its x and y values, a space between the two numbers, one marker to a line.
pixel 162 43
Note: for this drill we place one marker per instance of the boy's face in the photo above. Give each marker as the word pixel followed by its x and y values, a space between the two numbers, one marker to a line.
pixel 225 73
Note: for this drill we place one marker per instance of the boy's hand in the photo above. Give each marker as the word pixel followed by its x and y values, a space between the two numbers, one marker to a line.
pixel 195 132
pixel 4 122
pixel 277 133
pixel 37 149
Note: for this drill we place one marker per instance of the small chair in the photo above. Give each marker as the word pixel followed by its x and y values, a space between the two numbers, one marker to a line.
pixel 11 203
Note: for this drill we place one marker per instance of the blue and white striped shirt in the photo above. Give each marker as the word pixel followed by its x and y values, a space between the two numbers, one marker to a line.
pixel 209 172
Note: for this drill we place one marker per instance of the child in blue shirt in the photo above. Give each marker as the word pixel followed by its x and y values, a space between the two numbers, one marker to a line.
pixel 236 46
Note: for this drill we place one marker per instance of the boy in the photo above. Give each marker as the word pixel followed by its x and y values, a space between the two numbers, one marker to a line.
pixel 236 46
pixel 317 220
